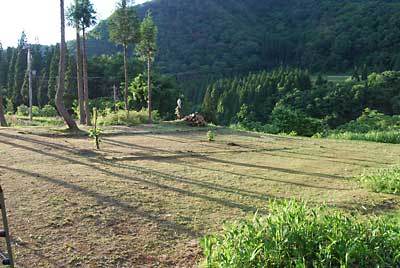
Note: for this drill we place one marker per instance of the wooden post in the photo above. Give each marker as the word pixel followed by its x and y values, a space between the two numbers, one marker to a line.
pixel 6 260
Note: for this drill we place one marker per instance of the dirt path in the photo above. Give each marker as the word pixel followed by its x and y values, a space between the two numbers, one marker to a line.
pixel 145 199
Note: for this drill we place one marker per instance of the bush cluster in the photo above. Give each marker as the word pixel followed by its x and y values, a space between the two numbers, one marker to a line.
pixel 294 235
pixel 46 111
pixel 121 117
pixel 370 126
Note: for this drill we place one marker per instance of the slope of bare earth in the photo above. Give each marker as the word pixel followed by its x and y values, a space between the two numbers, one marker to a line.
pixel 146 197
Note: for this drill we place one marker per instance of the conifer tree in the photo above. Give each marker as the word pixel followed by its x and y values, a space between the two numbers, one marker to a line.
pixel 20 69
pixel 3 80
pixel 124 30
pixel 147 49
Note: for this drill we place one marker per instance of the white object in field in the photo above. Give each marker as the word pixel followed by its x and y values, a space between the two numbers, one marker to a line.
pixel 179 102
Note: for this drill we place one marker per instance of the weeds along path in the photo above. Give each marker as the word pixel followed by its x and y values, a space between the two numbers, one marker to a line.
pixel 144 199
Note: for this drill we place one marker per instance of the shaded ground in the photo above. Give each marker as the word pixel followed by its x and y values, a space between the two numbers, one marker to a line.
pixel 146 198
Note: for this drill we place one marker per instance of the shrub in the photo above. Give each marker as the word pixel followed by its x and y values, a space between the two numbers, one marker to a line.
pixel 211 135
pixel 286 120
pixel 372 120
pixel 49 111
pixel 383 181
pixel 22 110
pixel 10 107
pixel 317 135
pixel 36 111
pixel 294 235
pixel 122 118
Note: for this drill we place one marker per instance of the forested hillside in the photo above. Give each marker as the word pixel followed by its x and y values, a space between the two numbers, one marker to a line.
pixel 288 100
pixel 208 37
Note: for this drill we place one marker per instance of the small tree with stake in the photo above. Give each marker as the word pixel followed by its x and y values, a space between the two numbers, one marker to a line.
pixel 147 49
pixel 95 132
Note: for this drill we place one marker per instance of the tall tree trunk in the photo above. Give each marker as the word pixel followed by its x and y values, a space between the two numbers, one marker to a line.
pixel 85 79
pixel 126 77
pixel 82 114
pixel 3 121
pixel 61 77
pixel 149 90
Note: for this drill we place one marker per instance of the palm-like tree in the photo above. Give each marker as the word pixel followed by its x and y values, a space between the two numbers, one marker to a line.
pixel 59 100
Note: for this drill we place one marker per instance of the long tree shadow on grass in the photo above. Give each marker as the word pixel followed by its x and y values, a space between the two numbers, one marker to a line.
pixel 189 181
pixel 104 200
pixel 286 150
pixel 205 158
pixel 220 201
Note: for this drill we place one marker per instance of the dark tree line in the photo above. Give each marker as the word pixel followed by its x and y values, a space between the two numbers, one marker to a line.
pixel 265 96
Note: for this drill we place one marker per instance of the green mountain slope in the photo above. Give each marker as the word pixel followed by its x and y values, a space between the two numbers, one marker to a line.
pixel 198 37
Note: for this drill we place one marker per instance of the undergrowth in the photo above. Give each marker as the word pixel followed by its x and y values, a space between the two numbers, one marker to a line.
pixel 383 180
pixel 295 235
pixel 121 117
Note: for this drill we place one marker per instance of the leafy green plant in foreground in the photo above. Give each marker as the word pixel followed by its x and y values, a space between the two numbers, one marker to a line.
pixel 383 181
pixel 95 132
pixel 211 135
pixel 295 235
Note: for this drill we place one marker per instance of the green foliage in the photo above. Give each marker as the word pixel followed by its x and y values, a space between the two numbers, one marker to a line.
pixel 252 97
pixel 147 47
pixel 165 93
pixel 16 121
pixel 392 136
pixel 9 106
pixel 123 25
pixel 211 135
pixel 287 120
pixel 372 120
pixel 48 111
pixel 23 110
pixel 36 111
pixel 95 132
pixel 81 14
pixel 294 235
pixel 383 181
pixel 204 38
pixel 122 118
pixel 370 126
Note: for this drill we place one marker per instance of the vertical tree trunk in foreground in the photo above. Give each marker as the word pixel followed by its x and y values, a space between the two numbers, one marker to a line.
pixel 61 77
pixel 82 114
pixel 85 80
pixel 3 121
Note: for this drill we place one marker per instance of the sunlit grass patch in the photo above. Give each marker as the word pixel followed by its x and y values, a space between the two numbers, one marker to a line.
pixel 296 235
pixel 383 180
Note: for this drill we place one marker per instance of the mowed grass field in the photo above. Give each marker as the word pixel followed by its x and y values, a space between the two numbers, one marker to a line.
pixel 148 196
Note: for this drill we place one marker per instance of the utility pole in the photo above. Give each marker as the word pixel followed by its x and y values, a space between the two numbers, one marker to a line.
pixel 30 82
pixel 115 97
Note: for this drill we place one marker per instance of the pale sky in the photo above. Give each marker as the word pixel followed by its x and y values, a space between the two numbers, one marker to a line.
pixel 41 19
